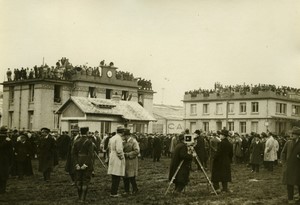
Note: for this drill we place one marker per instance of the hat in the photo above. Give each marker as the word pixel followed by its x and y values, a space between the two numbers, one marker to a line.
pixel 126 131
pixel 224 133
pixel 198 132
pixel 3 130
pixel 45 129
pixel 263 134
pixel 181 137
pixel 84 130
pixel 296 131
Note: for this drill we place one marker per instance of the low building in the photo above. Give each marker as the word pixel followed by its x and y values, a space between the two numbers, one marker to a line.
pixel 103 115
pixel 243 111
pixel 169 119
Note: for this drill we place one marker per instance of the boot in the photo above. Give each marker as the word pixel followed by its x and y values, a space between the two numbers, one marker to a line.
pixel 79 189
pixel 84 192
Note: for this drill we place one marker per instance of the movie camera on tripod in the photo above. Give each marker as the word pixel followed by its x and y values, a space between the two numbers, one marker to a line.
pixel 190 139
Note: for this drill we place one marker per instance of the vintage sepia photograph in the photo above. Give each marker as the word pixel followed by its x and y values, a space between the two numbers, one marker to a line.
pixel 132 102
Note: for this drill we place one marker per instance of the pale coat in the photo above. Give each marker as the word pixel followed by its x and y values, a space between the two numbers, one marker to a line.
pixel 131 151
pixel 116 165
pixel 270 153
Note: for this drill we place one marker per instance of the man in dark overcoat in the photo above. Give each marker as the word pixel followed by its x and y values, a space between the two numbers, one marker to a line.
pixel 256 153
pixel 6 157
pixel 180 154
pixel 290 157
pixel 221 169
pixel 70 166
pixel 157 147
pixel 200 149
pixel 47 150
pixel 83 154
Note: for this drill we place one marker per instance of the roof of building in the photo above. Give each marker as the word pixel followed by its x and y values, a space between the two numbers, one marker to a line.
pixel 126 109
pixel 169 112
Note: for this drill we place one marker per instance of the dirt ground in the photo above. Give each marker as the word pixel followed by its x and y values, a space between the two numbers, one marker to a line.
pixel 248 188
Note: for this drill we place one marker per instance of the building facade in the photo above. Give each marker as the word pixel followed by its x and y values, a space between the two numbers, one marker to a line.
pixel 242 112
pixel 31 100
pixel 169 119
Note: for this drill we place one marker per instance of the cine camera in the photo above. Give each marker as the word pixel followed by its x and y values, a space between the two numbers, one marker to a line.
pixel 190 139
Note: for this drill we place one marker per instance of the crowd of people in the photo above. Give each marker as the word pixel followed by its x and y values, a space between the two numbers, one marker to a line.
pixel 244 89
pixel 213 152
pixel 64 70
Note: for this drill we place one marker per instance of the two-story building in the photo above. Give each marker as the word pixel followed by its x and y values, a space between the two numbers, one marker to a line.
pixel 242 112
pixel 31 100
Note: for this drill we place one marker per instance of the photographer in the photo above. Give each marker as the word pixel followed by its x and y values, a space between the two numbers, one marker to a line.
pixel 180 154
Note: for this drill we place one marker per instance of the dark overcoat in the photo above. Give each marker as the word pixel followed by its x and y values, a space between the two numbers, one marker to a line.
pixel 257 151
pixel 83 153
pixel 157 147
pixel 47 151
pixel 180 153
pixel 221 169
pixel 200 149
pixel 6 156
pixel 290 157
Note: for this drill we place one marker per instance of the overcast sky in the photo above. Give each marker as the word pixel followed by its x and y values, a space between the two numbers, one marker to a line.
pixel 178 45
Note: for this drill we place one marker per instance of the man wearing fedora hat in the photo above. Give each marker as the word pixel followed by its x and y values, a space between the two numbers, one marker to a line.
pixel 47 149
pixel 116 164
pixel 221 169
pixel 290 157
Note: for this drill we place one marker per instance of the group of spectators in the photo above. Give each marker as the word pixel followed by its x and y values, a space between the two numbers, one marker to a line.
pixel 244 89
pixel 64 70
pixel 80 150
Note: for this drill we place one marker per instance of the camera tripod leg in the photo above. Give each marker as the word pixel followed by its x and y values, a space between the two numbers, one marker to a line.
pixel 173 178
pixel 203 170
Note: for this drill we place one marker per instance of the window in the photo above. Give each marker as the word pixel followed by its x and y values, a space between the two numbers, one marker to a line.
pixel 206 126
pixel 219 125
pixel 92 92
pixel 295 110
pixel 10 119
pixel 254 107
pixel 205 109
pixel 31 93
pixel 11 94
pixel 243 107
pixel 230 107
pixel 141 99
pixel 125 95
pixel 57 93
pixel 193 109
pixel 280 108
pixel 254 127
pixel 242 127
pixel 108 93
pixel 30 120
pixel 105 127
pixel 231 126
pixel 219 108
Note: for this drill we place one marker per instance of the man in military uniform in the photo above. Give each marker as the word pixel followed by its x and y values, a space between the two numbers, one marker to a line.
pixel 6 157
pixel 83 153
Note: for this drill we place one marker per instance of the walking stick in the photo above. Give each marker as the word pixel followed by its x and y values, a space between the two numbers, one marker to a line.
pixel 100 160
pixel 203 170
pixel 173 178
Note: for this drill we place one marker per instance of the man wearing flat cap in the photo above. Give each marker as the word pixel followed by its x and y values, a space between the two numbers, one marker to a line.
pixel 290 157
pixel 47 149
pixel 6 158
pixel 116 165
pixel 221 168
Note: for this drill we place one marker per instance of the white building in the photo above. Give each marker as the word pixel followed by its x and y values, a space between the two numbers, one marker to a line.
pixel 242 113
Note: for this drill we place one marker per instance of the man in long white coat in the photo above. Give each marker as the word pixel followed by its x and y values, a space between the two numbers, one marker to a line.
pixel 116 166
pixel 270 152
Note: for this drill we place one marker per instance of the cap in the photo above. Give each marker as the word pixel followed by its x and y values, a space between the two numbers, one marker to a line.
pixel 45 129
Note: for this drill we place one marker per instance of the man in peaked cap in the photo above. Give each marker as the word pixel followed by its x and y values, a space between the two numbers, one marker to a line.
pixel 47 149
pixel 6 157
pixel 290 156
pixel 83 154
pixel 221 169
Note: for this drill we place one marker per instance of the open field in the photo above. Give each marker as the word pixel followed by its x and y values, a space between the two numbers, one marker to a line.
pixel 248 188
